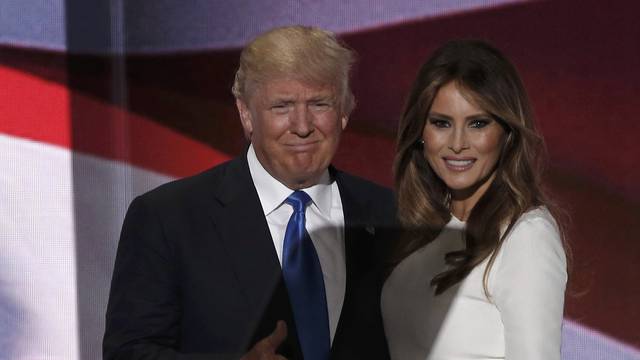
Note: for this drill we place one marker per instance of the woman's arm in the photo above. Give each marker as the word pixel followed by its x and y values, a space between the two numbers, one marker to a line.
pixel 529 287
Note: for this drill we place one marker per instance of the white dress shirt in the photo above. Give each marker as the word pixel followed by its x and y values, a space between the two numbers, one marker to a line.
pixel 521 321
pixel 324 223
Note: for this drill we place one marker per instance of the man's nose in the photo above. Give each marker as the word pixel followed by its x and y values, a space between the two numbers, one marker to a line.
pixel 301 120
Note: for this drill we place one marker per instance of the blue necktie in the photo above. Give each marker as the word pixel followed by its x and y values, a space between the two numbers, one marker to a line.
pixel 305 285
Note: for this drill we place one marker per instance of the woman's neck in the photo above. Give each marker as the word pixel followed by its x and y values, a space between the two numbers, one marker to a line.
pixel 463 201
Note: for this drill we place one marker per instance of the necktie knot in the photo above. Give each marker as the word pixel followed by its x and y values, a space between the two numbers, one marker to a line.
pixel 299 200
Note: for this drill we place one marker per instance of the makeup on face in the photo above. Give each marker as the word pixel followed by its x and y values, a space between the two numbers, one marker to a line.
pixel 462 142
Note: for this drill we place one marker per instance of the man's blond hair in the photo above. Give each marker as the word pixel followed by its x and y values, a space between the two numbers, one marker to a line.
pixel 302 53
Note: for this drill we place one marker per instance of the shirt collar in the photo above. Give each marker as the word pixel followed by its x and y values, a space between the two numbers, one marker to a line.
pixel 272 192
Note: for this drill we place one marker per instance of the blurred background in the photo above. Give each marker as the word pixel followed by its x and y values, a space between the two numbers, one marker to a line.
pixel 101 101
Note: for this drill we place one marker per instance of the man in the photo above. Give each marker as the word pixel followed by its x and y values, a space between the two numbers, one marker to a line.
pixel 208 266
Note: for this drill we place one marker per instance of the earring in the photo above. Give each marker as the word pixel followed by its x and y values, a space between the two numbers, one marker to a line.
pixel 420 143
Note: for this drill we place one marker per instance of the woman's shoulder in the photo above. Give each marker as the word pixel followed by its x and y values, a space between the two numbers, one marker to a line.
pixel 535 235
pixel 535 222
pixel 540 216
pixel 531 254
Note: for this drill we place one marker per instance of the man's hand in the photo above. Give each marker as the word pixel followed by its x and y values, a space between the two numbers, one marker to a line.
pixel 265 349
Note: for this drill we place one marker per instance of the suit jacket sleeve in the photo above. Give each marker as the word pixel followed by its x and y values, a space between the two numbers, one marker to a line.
pixel 144 310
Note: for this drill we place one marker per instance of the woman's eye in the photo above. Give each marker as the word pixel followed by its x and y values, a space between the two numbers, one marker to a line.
pixel 439 123
pixel 479 123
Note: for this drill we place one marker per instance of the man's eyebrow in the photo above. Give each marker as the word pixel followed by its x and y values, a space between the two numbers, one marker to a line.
pixel 324 95
pixel 281 99
pixel 322 98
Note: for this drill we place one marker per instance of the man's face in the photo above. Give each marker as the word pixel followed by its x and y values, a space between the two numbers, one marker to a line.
pixel 294 127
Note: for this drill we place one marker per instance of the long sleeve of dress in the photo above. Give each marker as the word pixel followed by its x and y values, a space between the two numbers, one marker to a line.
pixel 530 279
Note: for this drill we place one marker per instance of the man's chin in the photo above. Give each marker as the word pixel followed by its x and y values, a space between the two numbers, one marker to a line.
pixel 303 179
pixel 303 183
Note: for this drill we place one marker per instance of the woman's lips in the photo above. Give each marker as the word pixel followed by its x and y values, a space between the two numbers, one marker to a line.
pixel 459 164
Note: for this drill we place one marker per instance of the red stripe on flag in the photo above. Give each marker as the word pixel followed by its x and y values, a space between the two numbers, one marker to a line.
pixel 39 110
pixel 33 108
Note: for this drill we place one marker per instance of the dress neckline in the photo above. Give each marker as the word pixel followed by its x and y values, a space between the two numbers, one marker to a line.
pixel 455 219
pixel 456 223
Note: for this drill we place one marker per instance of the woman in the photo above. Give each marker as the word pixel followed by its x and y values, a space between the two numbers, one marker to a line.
pixel 481 270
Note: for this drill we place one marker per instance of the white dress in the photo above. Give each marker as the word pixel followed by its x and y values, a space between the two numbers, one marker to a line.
pixel 523 319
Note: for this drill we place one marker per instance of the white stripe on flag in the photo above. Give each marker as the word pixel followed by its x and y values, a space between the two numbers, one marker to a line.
pixel 37 262
pixel 60 217
pixel 582 343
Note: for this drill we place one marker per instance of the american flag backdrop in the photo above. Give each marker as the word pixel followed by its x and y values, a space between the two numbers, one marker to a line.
pixel 102 100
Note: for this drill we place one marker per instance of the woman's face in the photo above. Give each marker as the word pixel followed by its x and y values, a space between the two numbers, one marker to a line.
pixel 462 143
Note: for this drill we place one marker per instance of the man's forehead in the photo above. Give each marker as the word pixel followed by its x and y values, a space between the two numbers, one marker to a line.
pixel 294 88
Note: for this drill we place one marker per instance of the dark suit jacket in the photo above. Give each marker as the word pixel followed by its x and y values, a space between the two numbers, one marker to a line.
pixel 197 276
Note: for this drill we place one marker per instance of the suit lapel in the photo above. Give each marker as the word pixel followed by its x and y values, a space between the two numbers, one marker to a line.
pixel 243 229
pixel 245 234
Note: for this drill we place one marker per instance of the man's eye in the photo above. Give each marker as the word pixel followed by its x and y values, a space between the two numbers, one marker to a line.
pixel 320 106
pixel 479 123
pixel 280 108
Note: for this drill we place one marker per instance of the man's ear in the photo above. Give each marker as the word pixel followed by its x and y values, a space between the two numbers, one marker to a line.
pixel 344 120
pixel 245 118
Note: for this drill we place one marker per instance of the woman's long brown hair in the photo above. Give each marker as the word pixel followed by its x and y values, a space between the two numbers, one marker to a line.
pixel 488 79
